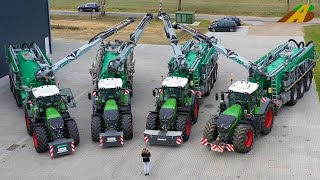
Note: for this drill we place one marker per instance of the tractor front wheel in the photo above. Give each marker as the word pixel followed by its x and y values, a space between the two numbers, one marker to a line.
pixel 151 121
pixel 73 131
pixel 29 124
pixel 210 130
pixel 243 138
pixel 95 128
pixel 40 139
pixel 126 121
pixel 267 120
pixel 184 125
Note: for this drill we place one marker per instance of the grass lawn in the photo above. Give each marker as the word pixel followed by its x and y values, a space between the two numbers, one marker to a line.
pixel 313 33
pixel 83 28
pixel 231 7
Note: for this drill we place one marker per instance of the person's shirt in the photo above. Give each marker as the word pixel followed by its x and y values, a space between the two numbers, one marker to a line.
pixel 146 157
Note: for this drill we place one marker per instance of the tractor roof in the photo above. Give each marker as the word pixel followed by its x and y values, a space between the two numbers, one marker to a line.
pixel 244 87
pixel 175 82
pixel 110 83
pixel 45 91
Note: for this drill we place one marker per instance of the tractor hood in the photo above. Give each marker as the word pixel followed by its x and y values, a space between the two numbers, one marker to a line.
pixel 111 114
pixel 167 113
pixel 228 118
pixel 54 123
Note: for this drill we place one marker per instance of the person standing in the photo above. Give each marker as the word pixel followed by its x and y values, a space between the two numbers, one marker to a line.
pixel 146 159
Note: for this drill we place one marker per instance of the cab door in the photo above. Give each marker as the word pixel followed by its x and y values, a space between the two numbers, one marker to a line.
pixel 67 97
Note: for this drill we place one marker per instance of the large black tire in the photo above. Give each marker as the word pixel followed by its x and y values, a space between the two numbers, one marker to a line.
pixel 184 125
pixel 293 96
pixel 29 124
pixel 308 81
pixel 126 122
pixel 17 96
pixel 301 88
pixel 267 120
pixel 73 131
pixel 40 139
pixel 151 123
pixel 215 73
pixel 207 93
pixel 195 111
pixel 11 83
pixel 243 138
pixel 210 130
pixel 95 128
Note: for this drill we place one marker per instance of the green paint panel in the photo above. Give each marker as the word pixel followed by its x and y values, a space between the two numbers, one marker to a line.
pixel 234 110
pixel 171 103
pixel 52 113
pixel 109 56
pixel 111 104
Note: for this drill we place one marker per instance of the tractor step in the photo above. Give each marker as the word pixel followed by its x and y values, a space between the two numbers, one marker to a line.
pixel 163 138
pixel 111 138
pixel 61 147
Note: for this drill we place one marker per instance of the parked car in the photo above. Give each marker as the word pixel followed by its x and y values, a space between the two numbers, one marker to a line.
pixel 235 19
pixel 223 25
pixel 91 7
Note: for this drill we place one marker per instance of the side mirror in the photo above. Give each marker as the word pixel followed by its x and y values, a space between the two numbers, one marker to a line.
pixel 217 97
pixel 222 96
pixel 89 96
pixel 68 99
pixel 154 92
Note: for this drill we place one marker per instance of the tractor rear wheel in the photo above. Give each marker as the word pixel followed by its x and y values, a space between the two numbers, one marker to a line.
pixel 293 95
pixel 301 88
pixel 151 121
pixel 243 138
pixel 40 139
pixel 29 124
pixel 267 120
pixel 308 81
pixel 210 130
pixel 184 125
pixel 126 121
pixel 95 128
pixel 195 111
pixel 73 131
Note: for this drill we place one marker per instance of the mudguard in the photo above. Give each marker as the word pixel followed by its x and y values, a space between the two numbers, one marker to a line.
pixel 264 104
pixel 111 138
pixel 61 147
pixel 171 138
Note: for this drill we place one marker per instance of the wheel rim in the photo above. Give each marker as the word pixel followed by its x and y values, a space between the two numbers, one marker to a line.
pixel 308 81
pixel 188 127
pixel 196 110
pixel 295 94
pixel 35 140
pixel 302 88
pixel 269 118
pixel 248 142
pixel 27 120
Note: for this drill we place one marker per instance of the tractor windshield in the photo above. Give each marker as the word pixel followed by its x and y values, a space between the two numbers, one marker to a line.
pixel 238 98
pixel 170 92
pixel 106 94
pixel 49 101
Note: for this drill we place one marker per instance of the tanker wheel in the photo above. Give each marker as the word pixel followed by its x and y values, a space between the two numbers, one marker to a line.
pixel 207 93
pixel 293 95
pixel 73 131
pixel 151 123
pixel 11 83
pixel 40 139
pixel 243 138
pixel 267 120
pixel 210 130
pixel 308 81
pixel 195 111
pixel 29 124
pixel 17 95
pixel 215 73
pixel 184 125
pixel 301 88
pixel 126 121
pixel 95 128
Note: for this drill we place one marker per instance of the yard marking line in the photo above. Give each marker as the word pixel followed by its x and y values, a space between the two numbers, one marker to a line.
pixel 25 138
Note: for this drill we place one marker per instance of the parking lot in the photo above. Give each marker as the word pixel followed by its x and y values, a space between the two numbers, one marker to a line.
pixel 290 151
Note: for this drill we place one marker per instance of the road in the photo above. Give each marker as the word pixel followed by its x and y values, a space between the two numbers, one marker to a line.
pixel 290 151
pixel 197 16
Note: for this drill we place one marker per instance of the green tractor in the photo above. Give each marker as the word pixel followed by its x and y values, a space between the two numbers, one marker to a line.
pixel 32 82
pixel 243 116
pixel 111 120
pixel 192 73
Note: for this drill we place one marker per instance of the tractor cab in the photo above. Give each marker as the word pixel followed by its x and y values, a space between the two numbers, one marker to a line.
pixel 241 93
pixel 173 87
pixel 110 88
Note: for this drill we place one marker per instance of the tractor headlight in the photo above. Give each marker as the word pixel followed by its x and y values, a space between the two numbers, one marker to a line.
pixel 269 90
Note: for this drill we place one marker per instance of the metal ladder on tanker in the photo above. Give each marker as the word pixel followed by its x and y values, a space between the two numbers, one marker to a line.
pixel 274 94
pixel 196 82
